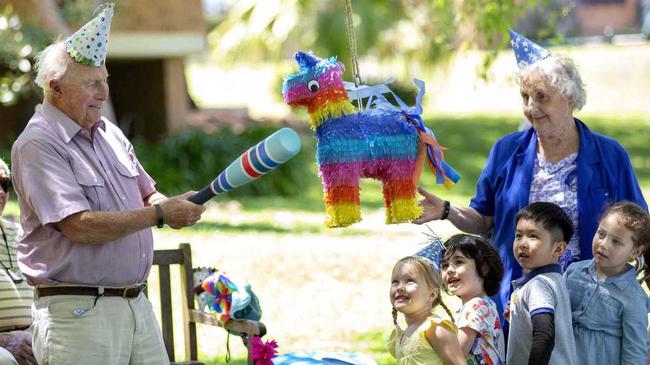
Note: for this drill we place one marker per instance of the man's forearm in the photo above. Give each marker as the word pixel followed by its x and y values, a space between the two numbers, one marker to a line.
pixel 469 220
pixel 92 227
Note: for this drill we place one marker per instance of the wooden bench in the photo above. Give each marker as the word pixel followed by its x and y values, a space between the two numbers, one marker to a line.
pixel 182 257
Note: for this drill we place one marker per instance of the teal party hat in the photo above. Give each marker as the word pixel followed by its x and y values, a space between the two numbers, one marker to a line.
pixel 88 45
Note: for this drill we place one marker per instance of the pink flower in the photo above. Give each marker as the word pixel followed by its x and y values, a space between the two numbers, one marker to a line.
pixel 262 352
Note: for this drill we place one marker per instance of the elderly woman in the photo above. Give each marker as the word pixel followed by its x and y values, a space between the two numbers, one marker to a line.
pixel 557 160
pixel 16 296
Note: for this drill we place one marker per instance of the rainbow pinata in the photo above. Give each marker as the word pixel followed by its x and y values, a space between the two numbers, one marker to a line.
pixel 228 297
pixel 382 142
pixel 222 289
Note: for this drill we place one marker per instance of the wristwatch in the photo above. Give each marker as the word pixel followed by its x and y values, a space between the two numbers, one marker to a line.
pixel 160 216
pixel 445 212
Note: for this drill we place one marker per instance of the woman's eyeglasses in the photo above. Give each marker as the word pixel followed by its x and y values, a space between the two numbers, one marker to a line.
pixel 5 183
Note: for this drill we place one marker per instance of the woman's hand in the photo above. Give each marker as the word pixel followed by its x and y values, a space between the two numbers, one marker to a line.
pixel 464 218
pixel 433 207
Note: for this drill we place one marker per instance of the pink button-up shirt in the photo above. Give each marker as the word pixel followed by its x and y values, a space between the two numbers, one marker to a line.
pixel 60 169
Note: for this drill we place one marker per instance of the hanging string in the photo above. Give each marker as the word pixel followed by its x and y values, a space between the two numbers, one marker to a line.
pixel 352 42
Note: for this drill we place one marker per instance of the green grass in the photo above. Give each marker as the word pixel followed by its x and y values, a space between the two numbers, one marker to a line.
pixel 374 345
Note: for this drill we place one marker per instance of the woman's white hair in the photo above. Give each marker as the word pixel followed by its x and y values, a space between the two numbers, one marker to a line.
pixel 51 64
pixel 561 74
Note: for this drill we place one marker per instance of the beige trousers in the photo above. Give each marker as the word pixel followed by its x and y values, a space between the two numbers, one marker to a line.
pixel 75 329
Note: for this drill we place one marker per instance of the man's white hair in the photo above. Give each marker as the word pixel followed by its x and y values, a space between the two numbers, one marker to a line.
pixel 3 166
pixel 51 64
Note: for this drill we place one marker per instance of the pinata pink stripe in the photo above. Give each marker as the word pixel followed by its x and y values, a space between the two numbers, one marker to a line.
pixel 329 79
pixel 335 174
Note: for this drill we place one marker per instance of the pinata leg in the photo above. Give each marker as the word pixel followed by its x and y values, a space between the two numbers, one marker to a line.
pixel 341 193
pixel 342 205
pixel 400 201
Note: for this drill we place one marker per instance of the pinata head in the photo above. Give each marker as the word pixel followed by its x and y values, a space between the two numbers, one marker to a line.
pixel 317 81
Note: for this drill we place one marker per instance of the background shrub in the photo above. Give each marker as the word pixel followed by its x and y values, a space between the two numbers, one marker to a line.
pixel 192 159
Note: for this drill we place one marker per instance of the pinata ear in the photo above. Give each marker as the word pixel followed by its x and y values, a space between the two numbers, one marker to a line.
pixel 306 60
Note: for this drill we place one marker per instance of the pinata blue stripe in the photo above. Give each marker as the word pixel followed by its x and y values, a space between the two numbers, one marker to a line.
pixel 255 161
pixel 396 147
pixel 362 125
pixel 266 159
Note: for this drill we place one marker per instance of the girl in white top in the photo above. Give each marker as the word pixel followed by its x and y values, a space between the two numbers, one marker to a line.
pixel 472 270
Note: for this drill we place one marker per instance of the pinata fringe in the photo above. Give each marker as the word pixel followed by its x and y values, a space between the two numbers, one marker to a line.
pixel 342 194
pixel 342 215
pixel 402 211
pixel 333 109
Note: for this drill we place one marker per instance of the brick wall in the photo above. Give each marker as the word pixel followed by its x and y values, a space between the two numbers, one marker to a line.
pixel 595 16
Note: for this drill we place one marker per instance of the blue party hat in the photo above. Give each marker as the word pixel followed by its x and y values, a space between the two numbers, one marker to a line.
pixel 526 51
pixel 433 251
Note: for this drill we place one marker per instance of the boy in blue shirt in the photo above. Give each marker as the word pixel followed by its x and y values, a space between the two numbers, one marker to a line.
pixel 540 310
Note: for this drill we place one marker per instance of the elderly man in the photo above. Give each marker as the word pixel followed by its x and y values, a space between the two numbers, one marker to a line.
pixel 87 206
pixel 16 296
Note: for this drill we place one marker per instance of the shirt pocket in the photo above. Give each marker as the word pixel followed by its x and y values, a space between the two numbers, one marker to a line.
pixel 126 170
pixel 92 184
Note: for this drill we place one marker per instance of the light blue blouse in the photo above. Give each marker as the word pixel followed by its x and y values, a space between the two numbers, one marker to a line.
pixel 610 317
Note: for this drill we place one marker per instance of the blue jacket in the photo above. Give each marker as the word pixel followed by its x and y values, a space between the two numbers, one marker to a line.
pixel 605 175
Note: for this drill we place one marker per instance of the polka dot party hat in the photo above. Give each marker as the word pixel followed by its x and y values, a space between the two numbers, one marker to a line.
pixel 88 45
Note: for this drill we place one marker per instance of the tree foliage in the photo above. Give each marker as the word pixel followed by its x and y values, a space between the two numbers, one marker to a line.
pixel 420 31
pixel 16 54
pixel 22 39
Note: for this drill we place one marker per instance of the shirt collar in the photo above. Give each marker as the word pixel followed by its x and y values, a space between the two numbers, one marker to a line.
pixel 65 127
pixel 550 268
pixel 527 143
pixel 621 280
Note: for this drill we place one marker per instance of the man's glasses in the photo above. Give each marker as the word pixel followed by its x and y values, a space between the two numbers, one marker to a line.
pixel 5 183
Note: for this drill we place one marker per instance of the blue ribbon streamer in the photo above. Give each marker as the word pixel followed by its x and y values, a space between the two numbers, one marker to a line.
pixel 378 103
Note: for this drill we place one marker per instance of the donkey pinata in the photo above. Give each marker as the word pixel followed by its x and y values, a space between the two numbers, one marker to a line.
pixel 382 143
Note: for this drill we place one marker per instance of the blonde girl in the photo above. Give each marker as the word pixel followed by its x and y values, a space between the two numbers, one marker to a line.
pixel 427 338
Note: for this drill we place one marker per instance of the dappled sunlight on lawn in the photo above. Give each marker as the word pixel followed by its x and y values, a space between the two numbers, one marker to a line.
pixel 318 291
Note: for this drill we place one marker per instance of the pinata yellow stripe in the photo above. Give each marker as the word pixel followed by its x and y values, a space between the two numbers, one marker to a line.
pixel 403 210
pixel 334 109
pixel 448 183
pixel 342 215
